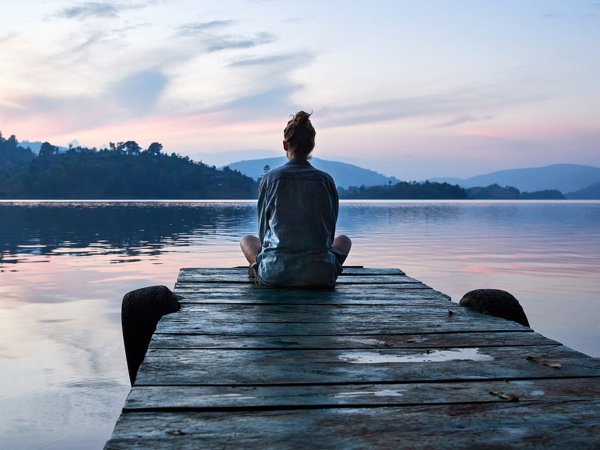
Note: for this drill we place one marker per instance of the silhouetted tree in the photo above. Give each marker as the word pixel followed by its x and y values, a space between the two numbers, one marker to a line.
pixel 47 149
pixel 14 164
pixel 494 192
pixel 121 172
pixel 154 148
pixel 405 190
pixel 130 147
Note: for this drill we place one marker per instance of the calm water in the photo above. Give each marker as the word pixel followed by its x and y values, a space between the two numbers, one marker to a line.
pixel 64 268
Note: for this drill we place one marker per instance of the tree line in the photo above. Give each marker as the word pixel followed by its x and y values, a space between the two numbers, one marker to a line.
pixel 405 190
pixel 443 191
pixel 123 170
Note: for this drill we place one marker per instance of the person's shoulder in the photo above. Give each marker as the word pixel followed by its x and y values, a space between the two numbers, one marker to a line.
pixel 278 170
pixel 289 169
pixel 325 175
pixel 273 174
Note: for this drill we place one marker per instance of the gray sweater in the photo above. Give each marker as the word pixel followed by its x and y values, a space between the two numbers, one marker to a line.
pixel 297 213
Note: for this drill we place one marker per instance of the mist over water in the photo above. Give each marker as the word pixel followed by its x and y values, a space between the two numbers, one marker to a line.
pixel 64 268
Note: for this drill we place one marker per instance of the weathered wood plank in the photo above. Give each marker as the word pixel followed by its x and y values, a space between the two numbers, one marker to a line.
pixel 427 300
pixel 438 341
pixel 255 397
pixel 366 295
pixel 417 325
pixel 257 289
pixel 269 320
pixel 297 313
pixel 335 328
pixel 195 277
pixel 242 271
pixel 376 362
pixel 259 367
pixel 489 425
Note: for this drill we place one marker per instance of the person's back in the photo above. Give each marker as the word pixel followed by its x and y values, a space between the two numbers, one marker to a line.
pixel 297 210
pixel 297 213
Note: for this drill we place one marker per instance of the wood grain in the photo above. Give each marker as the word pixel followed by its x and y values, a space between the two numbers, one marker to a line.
pixel 548 425
pixel 440 340
pixel 261 367
pixel 381 361
pixel 393 394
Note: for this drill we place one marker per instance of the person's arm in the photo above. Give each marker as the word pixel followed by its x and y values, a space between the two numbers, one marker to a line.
pixel 262 211
pixel 335 207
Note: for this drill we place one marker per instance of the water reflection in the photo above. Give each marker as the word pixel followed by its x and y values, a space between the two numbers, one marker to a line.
pixel 128 231
pixel 136 231
pixel 64 268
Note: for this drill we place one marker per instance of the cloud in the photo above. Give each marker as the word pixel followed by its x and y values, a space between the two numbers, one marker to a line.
pixel 138 93
pixel 380 111
pixel 271 101
pixel 122 31
pixel 227 42
pixel 101 9
pixel 200 27
pixel 45 114
pixel 474 104
pixel 78 46
pixel 6 104
pixel 89 9
pixel 7 37
pixel 297 59
pixel 133 96
pixel 87 43
pixel 271 90
pixel 208 36
pixel 464 119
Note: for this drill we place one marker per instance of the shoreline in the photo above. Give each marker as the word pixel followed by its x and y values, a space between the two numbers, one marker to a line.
pixel 378 200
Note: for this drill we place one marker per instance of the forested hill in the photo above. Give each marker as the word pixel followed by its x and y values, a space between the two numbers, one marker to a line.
pixel 123 171
pixel 404 190
pixel 126 171
pixel 444 191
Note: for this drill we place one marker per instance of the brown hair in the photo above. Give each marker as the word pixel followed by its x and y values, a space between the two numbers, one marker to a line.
pixel 300 134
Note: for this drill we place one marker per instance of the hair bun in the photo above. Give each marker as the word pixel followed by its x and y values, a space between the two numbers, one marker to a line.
pixel 301 117
pixel 300 134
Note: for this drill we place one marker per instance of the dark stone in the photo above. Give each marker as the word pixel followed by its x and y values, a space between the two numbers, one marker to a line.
pixel 495 302
pixel 140 312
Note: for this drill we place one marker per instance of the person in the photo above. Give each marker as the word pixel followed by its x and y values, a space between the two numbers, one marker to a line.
pixel 297 214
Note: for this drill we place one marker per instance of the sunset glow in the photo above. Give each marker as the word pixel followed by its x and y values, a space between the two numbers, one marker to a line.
pixel 411 89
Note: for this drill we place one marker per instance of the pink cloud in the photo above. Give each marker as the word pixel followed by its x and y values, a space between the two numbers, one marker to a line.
pixel 562 129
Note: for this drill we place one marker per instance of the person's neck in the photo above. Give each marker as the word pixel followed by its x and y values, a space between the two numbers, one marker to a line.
pixel 294 157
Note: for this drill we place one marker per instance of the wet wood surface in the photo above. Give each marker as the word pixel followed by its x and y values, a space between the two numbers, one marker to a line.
pixel 343 294
pixel 381 361
pixel 383 341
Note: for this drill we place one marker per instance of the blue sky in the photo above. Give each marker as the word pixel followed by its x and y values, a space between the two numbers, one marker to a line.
pixel 412 89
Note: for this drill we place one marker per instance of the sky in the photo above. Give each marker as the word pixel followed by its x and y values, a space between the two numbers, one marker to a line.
pixel 412 89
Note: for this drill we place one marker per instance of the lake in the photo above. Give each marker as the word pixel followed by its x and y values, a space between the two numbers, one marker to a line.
pixel 65 266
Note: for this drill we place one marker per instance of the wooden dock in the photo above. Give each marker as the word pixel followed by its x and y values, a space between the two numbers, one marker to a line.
pixel 382 361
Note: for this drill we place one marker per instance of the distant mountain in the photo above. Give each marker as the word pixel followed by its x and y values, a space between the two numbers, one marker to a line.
pixel 563 177
pixel 344 174
pixel 35 146
pixel 591 192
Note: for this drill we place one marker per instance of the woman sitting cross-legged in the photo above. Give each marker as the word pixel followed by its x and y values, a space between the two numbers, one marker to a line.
pixel 297 213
